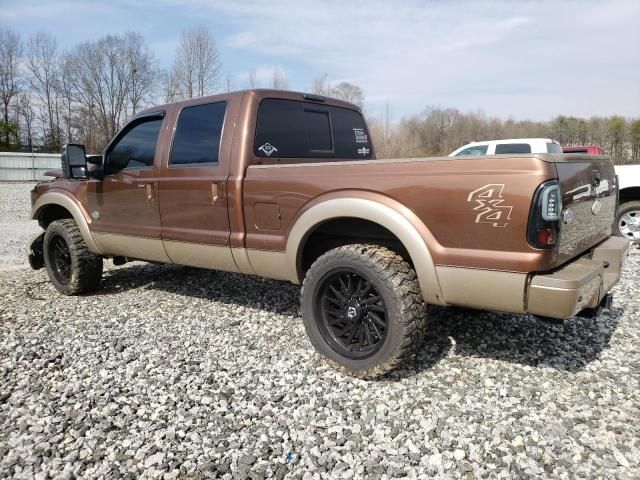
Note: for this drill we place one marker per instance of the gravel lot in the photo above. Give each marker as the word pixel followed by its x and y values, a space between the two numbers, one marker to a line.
pixel 172 372
pixel 16 229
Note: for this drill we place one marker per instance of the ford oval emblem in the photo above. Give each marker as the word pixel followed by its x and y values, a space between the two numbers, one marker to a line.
pixel 596 207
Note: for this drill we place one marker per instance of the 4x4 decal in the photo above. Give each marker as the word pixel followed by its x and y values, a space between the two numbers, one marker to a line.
pixel 490 205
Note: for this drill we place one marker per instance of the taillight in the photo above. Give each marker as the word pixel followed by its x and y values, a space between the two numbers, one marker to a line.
pixel 544 218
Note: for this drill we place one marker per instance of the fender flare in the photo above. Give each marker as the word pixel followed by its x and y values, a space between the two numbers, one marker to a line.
pixel 386 212
pixel 77 212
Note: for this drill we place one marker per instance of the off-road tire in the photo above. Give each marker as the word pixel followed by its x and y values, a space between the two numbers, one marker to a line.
pixel 396 281
pixel 622 209
pixel 86 267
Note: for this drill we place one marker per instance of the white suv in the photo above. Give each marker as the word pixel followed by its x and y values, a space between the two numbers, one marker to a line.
pixel 510 146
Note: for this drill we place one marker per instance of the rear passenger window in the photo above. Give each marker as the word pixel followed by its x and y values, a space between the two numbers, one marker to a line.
pixel 513 148
pixel 296 129
pixel 197 137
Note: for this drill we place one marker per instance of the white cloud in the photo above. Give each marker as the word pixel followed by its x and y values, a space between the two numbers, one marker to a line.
pixel 519 58
pixel 527 59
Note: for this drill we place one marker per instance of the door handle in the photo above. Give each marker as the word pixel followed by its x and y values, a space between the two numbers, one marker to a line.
pixel 217 191
pixel 150 189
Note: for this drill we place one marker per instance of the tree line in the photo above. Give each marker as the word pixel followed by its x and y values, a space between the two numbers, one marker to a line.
pixel 50 97
pixel 439 131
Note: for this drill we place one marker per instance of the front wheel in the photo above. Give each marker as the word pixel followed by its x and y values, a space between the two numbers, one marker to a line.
pixel 628 221
pixel 363 309
pixel 72 268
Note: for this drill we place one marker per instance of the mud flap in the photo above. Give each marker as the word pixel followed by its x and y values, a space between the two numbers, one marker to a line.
pixel 36 256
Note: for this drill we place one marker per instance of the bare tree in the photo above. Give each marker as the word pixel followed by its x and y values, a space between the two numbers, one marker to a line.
pixel 634 139
pixel 141 70
pixel 65 90
pixel 10 51
pixel 198 63
pixel 27 118
pixel 42 63
pixel 252 79
pixel 171 85
pixel 228 82
pixel 279 80
pixel 321 86
pixel 348 92
pixel 343 90
pixel 101 82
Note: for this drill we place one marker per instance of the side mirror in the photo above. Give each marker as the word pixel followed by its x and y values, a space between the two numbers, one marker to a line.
pixel 74 162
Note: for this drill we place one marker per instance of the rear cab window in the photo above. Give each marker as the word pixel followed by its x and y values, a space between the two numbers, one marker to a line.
pixel 502 148
pixel 292 129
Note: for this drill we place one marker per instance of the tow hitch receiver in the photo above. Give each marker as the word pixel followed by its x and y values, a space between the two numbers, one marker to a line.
pixel 36 257
pixel 605 304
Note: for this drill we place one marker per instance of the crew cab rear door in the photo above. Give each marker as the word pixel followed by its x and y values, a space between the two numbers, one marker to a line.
pixel 193 186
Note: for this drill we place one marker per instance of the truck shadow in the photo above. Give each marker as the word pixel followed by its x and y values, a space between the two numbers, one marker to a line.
pixel 564 345
pixel 568 345
pixel 230 288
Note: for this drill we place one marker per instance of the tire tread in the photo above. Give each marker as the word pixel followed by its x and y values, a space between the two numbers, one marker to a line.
pixel 88 268
pixel 394 269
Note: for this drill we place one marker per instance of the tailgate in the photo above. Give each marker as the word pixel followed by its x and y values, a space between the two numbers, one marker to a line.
pixel 589 197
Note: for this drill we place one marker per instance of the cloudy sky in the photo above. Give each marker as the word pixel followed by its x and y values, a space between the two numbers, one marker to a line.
pixel 520 59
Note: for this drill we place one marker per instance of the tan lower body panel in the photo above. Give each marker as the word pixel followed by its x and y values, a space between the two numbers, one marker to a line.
pixel 241 257
pixel 483 289
pixel 142 248
pixel 271 265
pixel 253 262
pixel 213 257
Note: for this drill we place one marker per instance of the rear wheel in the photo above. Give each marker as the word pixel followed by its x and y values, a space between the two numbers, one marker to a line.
pixel 362 309
pixel 628 221
pixel 72 268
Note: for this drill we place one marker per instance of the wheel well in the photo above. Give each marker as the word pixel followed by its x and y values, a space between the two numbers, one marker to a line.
pixel 629 194
pixel 342 231
pixel 51 213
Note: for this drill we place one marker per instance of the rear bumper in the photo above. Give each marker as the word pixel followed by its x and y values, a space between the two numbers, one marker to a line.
pixel 580 284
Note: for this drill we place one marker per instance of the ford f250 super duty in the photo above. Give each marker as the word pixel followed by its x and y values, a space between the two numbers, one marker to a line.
pixel 286 186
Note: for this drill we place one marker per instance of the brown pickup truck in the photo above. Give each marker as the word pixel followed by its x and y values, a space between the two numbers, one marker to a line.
pixel 286 185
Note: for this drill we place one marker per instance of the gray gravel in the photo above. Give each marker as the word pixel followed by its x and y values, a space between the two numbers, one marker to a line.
pixel 173 373
pixel 16 229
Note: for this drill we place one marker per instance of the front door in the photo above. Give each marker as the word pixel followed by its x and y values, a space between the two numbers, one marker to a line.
pixel 193 191
pixel 124 205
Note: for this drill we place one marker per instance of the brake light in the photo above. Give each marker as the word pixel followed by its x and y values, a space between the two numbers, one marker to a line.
pixel 547 237
pixel 544 219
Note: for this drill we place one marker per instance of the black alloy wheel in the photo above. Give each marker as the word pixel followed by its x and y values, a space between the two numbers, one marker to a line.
pixel 352 313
